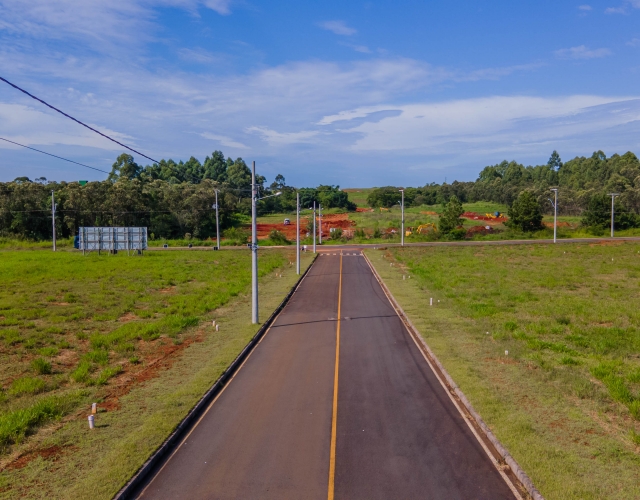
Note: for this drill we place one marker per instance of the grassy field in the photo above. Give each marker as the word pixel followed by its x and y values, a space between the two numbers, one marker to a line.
pixel 565 400
pixel 131 333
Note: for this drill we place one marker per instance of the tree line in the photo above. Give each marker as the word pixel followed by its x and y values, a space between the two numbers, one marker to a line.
pixel 170 199
pixel 173 199
pixel 583 183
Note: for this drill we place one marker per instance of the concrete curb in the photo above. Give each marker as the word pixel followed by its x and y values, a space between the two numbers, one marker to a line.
pixel 130 489
pixel 453 388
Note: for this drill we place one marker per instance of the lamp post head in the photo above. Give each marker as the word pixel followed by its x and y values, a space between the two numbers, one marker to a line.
pixel 278 193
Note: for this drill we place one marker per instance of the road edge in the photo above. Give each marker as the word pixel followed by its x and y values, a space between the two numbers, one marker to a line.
pixel 503 455
pixel 131 488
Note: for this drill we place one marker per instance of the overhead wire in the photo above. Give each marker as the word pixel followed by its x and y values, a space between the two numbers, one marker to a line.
pixel 51 154
pixel 76 120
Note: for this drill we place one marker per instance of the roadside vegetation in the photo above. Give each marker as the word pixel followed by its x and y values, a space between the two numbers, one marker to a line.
pixel 545 342
pixel 79 329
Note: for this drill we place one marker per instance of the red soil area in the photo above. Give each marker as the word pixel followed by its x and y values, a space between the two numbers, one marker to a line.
pixel 328 221
pixel 482 217
pixel 289 230
pixel 560 224
pixel 360 209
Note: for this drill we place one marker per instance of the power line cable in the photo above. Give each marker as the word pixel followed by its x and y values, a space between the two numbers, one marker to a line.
pixel 75 120
pixel 55 156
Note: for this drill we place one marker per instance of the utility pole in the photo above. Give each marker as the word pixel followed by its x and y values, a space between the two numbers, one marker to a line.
pixel 320 221
pixel 254 248
pixel 217 222
pixel 53 218
pixel 402 228
pixel 613 197
pixel 555 215
pixel 298 233
pixel 314 227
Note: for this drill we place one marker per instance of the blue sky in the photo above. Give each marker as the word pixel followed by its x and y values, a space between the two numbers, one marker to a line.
pixel 350 93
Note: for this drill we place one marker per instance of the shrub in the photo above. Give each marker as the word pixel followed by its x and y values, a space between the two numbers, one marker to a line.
pixel 450 216
pixel 41 366
pixel 457 234
pixel 336 234
pixel 278 238
pixel 524 213
pixel 236 236
pixel 27 385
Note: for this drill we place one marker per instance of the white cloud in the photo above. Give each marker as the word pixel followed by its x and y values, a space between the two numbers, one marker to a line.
pixel 615 10
pixel 198 55
pixel 224 140
pixel 102 23
pixel 585 7
pixel 581 52
pixel 284 138
pixel 338 27
pixel 486 124
pixel 634 42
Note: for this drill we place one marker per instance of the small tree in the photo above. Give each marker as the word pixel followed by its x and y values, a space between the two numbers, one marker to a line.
pixel 524 213
pixel 450 216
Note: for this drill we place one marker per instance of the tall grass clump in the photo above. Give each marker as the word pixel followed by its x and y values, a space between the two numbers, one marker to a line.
pixel 16 424
pixel 41 366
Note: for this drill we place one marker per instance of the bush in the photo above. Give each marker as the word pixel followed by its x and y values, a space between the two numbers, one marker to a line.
pixel 236 236
pixel 524 214
pixel 336 234
pixel 457 234
pixel 41 366
pixel 278 238
pixel 384 197
pixel 450 217
pixel 597 216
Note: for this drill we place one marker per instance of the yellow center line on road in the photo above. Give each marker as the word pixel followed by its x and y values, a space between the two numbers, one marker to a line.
pixel 334 418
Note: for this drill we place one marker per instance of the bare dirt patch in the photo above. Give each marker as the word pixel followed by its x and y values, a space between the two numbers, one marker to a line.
pixel 51 453
pixel 159 357
pixel 169 289
pixel 483 217
pixel 127 317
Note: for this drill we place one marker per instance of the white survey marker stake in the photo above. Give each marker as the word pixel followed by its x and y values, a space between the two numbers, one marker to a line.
pixel 91 419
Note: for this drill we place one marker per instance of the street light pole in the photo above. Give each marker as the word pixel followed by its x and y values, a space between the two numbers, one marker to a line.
pixel 217 222
pixel 402 225
pixel 613 197
pixel 53 218
pixel 254 248
pixel 320 221
pixel 555 213
pixel 314 227
pixel 297 233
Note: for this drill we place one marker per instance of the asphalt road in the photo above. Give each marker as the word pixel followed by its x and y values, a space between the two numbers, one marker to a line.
pixel 279 430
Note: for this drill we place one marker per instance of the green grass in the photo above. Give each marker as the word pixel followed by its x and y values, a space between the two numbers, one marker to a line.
pixel 16 424
pixel 110 345
pixel 566 399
